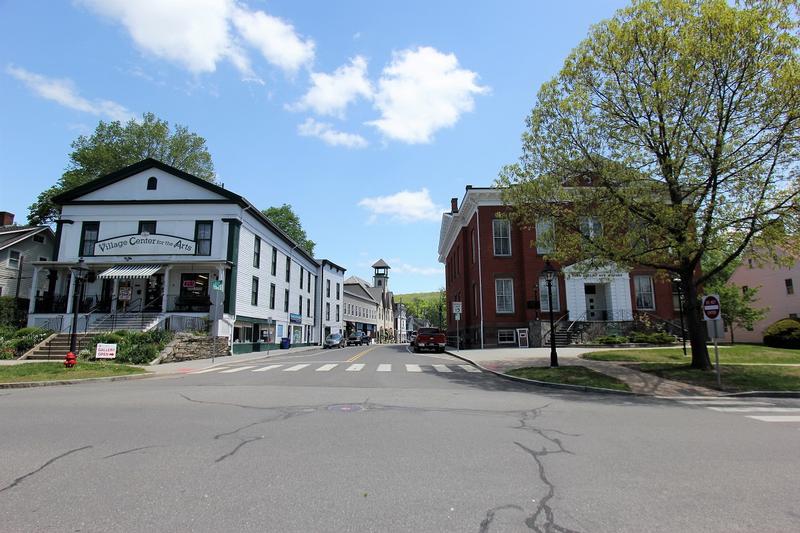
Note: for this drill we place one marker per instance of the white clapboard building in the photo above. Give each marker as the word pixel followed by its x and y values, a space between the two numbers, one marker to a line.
pixel 150 246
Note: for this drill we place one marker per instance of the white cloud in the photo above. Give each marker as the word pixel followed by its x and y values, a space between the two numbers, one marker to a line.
pixel 330 94
pixel 422 91
pixel 404 206
pixel 326 132
pixel 199 34
pixel 275 39
pixel 64 92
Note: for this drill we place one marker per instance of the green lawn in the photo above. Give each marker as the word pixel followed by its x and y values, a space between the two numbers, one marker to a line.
pixel 571 375
pixel 734 378
pixel 739 353
pixel 57 371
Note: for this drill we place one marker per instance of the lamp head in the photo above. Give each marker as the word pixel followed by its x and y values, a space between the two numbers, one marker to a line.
pixel 549 272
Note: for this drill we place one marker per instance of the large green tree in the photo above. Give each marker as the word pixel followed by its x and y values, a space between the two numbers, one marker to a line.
pixel 286 219
pixel 674 125
pixel 115 145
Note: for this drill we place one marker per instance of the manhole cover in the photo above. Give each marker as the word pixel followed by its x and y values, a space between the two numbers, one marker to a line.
pixel 346 408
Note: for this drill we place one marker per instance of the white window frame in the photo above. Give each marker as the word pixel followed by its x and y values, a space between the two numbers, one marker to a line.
pixel 545 236
pixel 591 227
pixel 502 336
pixel 501 285
pixel 637 293
pixel 543 304
pixel 14 263
pixel 497 224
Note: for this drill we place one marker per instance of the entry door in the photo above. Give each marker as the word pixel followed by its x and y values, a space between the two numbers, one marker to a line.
pixel 592 312
pixel 154 292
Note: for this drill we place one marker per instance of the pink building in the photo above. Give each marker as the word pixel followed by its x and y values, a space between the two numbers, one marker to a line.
pixel 778 291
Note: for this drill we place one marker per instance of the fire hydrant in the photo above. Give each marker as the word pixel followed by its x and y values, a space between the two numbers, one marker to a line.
pixel 70 360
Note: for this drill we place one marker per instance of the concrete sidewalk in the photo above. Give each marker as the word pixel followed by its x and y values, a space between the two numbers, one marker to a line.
pixel 503 359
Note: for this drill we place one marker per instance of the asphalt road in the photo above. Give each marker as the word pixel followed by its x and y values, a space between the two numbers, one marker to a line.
pixel 407 446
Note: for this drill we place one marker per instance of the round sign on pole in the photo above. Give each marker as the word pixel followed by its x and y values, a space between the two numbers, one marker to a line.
pixel 712 310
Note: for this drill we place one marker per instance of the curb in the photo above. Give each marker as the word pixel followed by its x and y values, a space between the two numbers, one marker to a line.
pixel 31 384
pixel 763 394
pixel 565 386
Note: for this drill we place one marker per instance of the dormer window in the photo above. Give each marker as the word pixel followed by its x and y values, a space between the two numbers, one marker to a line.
pixel 152 183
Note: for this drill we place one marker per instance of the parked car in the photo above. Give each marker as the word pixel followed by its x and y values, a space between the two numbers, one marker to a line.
pixel 334 340
pixel 411 336
pixel 366 339
pixel 356 338
pixel 430 339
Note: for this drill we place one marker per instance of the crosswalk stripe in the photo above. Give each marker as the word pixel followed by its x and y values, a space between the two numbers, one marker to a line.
pixel 237 369
pixel 295 368
pixel 357 367
pixel 776 418
pixel 756 409
pixel 384 368
pixel 469 368
pixel 441 368
pixel 413 368
pixel 265 368
pixel 212 369
pixel 328 367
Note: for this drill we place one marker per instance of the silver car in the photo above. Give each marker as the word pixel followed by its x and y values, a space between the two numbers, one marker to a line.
pixel 334 340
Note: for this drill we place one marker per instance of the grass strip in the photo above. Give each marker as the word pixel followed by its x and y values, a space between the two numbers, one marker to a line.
pixel 734 378
pixel 570 375
pixel 739 353
pixel 58 372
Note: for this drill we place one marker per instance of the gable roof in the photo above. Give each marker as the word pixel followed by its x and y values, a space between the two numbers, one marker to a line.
pixel 11 235
pixel 146 164
pixel 380 263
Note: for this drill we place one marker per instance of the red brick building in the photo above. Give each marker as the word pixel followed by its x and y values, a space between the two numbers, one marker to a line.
pixel 495 269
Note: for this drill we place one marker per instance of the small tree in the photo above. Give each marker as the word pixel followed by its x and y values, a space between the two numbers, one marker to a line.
pixel 285 218
pixel 114 145
pixel 737 306
pixel 674 127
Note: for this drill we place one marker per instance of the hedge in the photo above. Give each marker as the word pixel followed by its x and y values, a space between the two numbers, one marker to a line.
pixel 784 333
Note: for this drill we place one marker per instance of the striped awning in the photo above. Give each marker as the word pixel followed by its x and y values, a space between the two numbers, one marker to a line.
pixel 129 271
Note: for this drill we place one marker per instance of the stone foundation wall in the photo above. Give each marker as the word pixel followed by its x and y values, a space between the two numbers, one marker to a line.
pixel 186 347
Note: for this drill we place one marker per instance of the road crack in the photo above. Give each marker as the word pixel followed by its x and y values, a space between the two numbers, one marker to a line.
pixel 48 463
pixel 132 450
pixel 490 514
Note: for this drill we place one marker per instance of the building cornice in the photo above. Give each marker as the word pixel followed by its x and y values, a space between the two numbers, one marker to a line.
pixel 474 197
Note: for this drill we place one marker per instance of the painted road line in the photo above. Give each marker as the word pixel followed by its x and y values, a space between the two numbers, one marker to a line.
pixel 384 368
pixel 413 368
pixel 328 367
pixel 213 369
pixel 776 418
pixel 265 368
pixel 295 368
pixel 756 409
pixel 237 369
pixel 441 368
pixel 725 403
pixel 469 368
pixel 359 355
pixel 355 368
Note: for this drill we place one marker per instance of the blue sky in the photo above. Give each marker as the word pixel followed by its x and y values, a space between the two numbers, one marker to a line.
pixel 366 117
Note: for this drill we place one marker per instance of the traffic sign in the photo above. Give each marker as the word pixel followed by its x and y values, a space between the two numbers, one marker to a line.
pixel 712 310
pixel 216 284
pixel 457 308
pixel 458 316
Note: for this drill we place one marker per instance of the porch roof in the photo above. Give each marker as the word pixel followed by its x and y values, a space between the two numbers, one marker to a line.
pixel 129 271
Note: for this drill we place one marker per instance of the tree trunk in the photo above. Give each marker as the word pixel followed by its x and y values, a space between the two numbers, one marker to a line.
pixel 695 323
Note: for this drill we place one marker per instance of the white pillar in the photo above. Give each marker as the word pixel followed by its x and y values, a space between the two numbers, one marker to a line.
pixel 34 286
pixel 71 293
pixel 114 291
pixel 164 297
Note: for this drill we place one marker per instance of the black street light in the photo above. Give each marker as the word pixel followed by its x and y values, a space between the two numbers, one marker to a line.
pixel 677 281
pixel 79 272
pixel 550 274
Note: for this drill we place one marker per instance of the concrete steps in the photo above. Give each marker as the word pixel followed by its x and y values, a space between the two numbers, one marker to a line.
pixel 56 347
pixel 125 321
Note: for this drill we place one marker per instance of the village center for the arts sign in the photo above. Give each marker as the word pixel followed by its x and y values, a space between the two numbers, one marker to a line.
pixel 153 244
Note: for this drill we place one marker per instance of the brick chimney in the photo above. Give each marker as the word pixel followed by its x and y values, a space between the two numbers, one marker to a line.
pixel 6 218
pixel 453 205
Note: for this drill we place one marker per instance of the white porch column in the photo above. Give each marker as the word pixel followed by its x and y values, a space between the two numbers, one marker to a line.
pixel 34 286
pixel 114 291
pixel 164 297
pixel 71 293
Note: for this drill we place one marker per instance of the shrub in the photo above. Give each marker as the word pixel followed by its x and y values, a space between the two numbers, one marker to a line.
pixel 657 337
pixel 14 343
pixel 133 347
pixel 784 333
pixel 611 339
pixel 30 331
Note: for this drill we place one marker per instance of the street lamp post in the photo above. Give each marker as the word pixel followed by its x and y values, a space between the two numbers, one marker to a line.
pixel 677 281
pixel 550 274
pixel 79 272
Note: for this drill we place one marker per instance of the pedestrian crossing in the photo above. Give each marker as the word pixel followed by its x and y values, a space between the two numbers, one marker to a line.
pixel 331 367
pixel 760 410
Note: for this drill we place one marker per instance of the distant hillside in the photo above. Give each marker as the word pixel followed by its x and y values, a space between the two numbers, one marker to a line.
pixel 410 297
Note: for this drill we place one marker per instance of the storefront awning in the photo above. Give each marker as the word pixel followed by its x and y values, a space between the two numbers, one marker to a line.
pixel 129 271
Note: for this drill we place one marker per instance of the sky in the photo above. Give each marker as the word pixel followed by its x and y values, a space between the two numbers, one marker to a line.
pixel 366 117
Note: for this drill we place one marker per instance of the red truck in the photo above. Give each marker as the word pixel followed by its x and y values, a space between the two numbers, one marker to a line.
pixel 430 339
